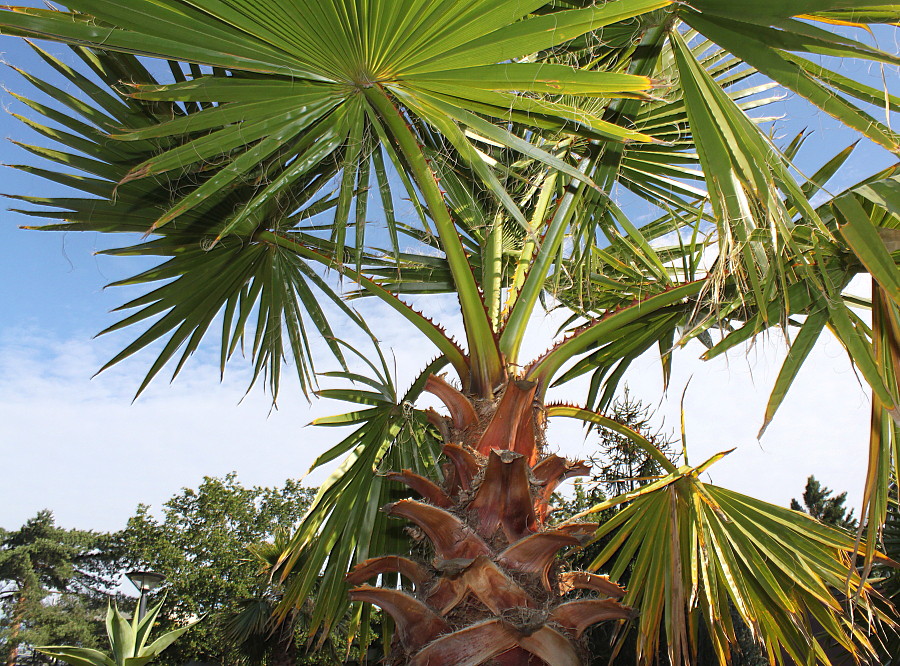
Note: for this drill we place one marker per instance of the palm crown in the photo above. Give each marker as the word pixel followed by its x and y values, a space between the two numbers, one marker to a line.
pixel 287 125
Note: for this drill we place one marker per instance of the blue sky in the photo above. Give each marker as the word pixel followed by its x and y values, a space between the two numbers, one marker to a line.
pixel 72 444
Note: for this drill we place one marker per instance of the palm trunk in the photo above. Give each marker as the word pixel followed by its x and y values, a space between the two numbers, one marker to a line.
pixel 494 591
pixel 285 653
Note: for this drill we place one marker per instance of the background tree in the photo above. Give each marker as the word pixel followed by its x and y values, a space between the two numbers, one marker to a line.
pixel 70 619
pixel 617 463
pixel 252 625
pixel 54 582
pixel 819 503
pixel 620 465
pixel 129 640
pixel 200 544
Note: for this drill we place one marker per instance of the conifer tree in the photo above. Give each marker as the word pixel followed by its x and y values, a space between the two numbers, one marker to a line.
pixel 821 504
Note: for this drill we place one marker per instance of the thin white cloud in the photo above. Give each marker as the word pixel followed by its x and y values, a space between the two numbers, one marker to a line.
pixel 79 447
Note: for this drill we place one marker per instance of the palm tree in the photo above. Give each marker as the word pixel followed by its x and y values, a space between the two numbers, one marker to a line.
pixel 283 126
pixel 253 628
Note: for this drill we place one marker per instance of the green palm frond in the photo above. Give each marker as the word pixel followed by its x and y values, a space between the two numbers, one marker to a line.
pixel 301 90
pixel 260 288
pixel 782 41
pixel 345 525
pixel 692 551
pixel 248 625
pixel 285 132
pixel 861 222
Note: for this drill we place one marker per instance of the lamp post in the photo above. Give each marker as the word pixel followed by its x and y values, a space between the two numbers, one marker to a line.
pixel 144 581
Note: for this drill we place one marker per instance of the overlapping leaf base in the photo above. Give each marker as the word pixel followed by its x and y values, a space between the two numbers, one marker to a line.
pixel 493 592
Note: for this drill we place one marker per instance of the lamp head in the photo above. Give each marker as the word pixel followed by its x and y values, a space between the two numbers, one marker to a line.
pixel 145 581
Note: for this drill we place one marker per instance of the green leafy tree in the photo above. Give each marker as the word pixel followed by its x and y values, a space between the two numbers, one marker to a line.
pixel 200 544
pixel 69 618
pixel 821 504
pixel 281 129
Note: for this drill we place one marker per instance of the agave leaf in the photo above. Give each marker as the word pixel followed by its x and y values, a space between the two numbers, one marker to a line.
pixel 121 635
pixel 164 641
pixel 77 656
pixel 144 625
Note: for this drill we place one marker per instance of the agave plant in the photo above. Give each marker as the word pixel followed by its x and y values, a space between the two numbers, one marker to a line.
pixel 128 641
pixel 283 128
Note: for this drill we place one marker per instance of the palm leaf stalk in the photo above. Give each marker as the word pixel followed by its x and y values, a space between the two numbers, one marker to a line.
pixel 507 125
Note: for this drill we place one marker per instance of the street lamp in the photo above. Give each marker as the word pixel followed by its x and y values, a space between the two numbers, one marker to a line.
pixel 144 581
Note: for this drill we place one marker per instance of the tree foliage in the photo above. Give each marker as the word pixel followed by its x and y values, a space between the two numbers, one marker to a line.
pixel 61 582
pixel 200 544
pixel 53 582
pixel 821 504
